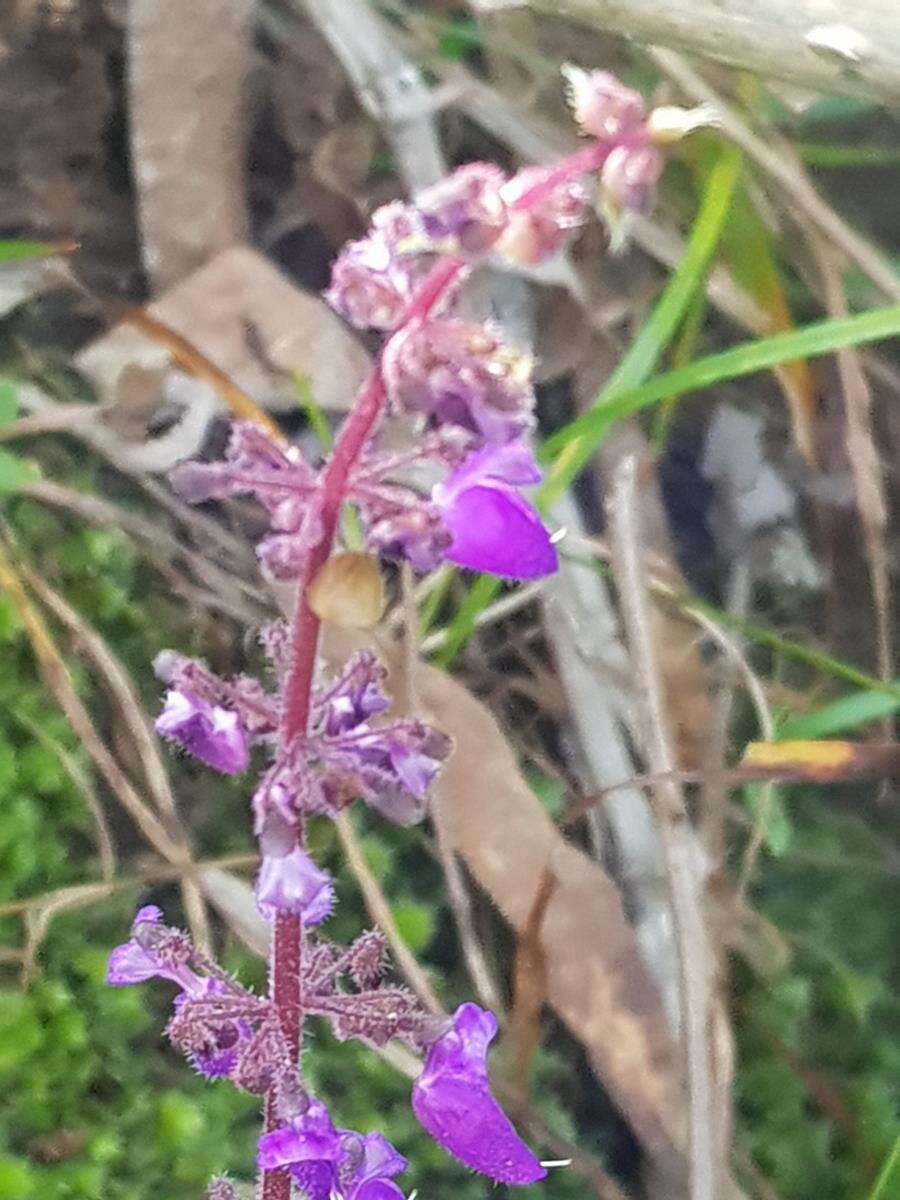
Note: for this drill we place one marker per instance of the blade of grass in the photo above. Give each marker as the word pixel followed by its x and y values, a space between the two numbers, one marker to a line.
pixel 841 715
pixel 318 422
pixel 660 327
pixel 891 1163
pixel 821 154
pixel 16 251
pixel 810 341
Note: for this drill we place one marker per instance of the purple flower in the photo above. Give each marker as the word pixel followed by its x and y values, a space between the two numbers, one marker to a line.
pixel 464 214
pixel 629 176
pixel 256 709
pixel 461 375
pixel 355 697
pixel 372 279
pixel 494 528
pixel 328 1162
pixel 293 883
pixel 413 531
pixel 452 1100
pixel 392 767
pixel 152 951
pixel 210 1023
pixel 212 1041
pixel 209 732
pixel 283 483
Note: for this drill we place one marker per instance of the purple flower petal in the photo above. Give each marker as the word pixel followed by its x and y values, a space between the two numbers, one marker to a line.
pixel 512 463
pixel 296 885
pixel 496 530
pixel 452 1100
pixel 307 1138
pixel 354 697
pixel 380 1162
pixel 133 962
pixel 209 732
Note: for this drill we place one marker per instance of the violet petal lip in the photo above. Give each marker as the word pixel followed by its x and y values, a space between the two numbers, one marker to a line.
pixel 208 731
pixel 496 530
pixel 294 884
pixel 453 1102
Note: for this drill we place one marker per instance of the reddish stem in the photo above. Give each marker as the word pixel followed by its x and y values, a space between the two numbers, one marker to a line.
pixel 287 941
pixel 582 162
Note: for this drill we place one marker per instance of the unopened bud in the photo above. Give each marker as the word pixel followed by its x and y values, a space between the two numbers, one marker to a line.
pixel 669 123
pixel 602 106
pixel 348 591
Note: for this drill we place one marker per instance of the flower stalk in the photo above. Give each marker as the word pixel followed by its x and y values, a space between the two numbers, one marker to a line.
pixel 331 742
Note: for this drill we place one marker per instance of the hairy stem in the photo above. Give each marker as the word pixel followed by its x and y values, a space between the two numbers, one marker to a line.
pixel 287 942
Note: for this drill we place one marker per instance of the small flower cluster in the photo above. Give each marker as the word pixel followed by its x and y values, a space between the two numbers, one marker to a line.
pixel 227 1032
pixel 458 496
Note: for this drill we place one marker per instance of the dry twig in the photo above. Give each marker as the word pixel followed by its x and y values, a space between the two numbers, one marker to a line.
pixel 679 847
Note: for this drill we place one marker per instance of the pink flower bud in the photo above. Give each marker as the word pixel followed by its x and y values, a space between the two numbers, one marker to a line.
pixel 629 176
pixel 540 230
pixel 464 214
pixel 602 106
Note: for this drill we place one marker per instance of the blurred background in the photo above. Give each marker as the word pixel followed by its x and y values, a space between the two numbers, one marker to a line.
pixel 208 160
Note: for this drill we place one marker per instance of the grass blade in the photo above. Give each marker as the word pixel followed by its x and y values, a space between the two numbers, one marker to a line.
pixel 809 341
pixel 579 444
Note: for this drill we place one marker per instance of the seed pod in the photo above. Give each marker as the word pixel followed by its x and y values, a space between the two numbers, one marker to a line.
pixel 348 591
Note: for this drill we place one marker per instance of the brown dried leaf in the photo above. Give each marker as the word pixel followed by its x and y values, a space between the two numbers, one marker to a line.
pixel 596 981
pixel 251 323
pixel 342 159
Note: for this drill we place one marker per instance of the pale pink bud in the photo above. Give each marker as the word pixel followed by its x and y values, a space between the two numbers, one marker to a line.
pixel 535 233
pixel 629 176
pixel 602 106
pixel 464 214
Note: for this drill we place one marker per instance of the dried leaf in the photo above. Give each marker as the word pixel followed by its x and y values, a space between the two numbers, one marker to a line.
pixel 597 983
pixel 342 159
pixel 237 302
pixel 821 761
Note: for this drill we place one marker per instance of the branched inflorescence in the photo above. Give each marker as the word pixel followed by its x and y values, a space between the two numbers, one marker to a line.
pixel 324 743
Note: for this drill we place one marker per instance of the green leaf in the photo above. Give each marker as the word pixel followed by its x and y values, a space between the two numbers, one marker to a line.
pixel 16 251
pixel 825 154
pixel 15 472
pixel 9 401
pixel 318 422
pixel 848 712
pixel 809 341
pixel 460 629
